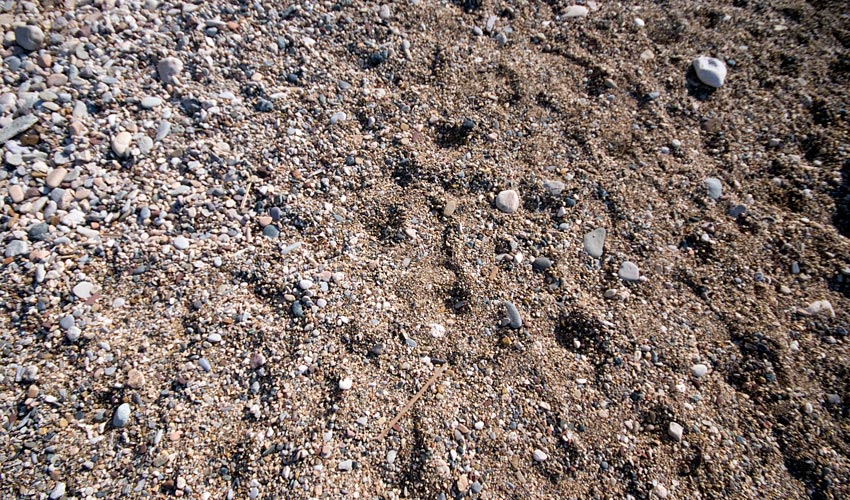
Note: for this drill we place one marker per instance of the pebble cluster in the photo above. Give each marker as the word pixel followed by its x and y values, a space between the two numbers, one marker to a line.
pixel 239 237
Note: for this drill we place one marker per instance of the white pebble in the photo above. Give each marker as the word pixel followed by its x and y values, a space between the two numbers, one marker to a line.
pixel 346 384
pixel 675 431
pixel 539 456
pixel 710 71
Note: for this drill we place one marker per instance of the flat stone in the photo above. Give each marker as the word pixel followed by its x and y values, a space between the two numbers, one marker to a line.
pixel 715 188
pixel 699 370
pixel 450 208
pixel 539 455
pixel 629 271
pixel 121 143
pixel 541 264
pixel 575 11
pixel 151 102
pixel 18 126
pixel 181 243
pixel 594 242
pixel 122 415
pixel 675 431
pixel 169 68
pixel 16 247
pixel 508 201
pixel 554 188
pixel 710 71
pixel 55 177
pixel 58 491
pixel 83 289
pixel 135 379
pixel 16 192
pixel 513 315
pixel 29 37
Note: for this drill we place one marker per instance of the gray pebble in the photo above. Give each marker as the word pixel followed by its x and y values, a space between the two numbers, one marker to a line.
pixel 181 243
pixel 541 264
pixel 38 232
pixel 513 315
pixel 271 231
pixel 151 102
pixel 477 487
pixel 169 68
pixel 58 491
pixel 29 37
pixel 508 201
pixel 715 188
pixel 346 465
pixel 67 322
pixel 205 365
pixel 18 126
pixel 554 188
pixel 594 242
pixel 629 271
pixel 391 456
pixel 16 247
pixel 122 415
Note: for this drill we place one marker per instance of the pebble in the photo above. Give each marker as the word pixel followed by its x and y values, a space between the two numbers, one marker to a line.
pixel 169 68
pixel 639 23
pixel 476 487
pixel 67 321
pixel 135 379
pixel 305 284
pixel 58 491
pixel 181 243
pixel 391 456
pixel 508 201
pixel 346 384
pixel 151 102
pixel 710 71
pixel 271 231
pixel 121 144
pixel 450 208
pixel 29 37
pixel 715 188
pixel 594 242
pixel 699 370
pixel 55 177
pixel 513 315
pixel 541 264
pixel 18 126
pixel 346 465
pixel 122 415
pixel 675 431
pixel 16 247
pixel 629 271
pixel 83 289
pixel 38 232
pixel 205 365
pixel 539 455
pixel 16 192
pixel 575 11
pixel 555 188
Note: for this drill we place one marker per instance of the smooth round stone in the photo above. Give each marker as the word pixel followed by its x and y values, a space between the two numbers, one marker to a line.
pixel 699 370
pixel 83 289
pixel 151 102
pixel 305 284
pixel 554 188
pixel 205 365
pixel 391 456
pixel 541 264
pixel 539 456
pixel 346 384
pixel 145 144
pixel 58 491
pixel 55 177
pixel 121 143
pixel 710 71
pixel 38 232
pixel 675 431
pixel 629 271
pixel 337 117
pixel 122 415
pixel 508 201
pixel 16 247
pixel 214 338
pixel 181 243
pixel 715 188
pixel 16 192
pixel 29 37
pixel 513 315
pixel 594 242
pixel 575 11
pixel 476 487
pixel 169 68
pixel 271 231
pixel 73 334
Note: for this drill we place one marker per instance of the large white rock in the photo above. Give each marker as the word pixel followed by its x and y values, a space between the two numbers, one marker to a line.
pixel 508 201
pixel 710 71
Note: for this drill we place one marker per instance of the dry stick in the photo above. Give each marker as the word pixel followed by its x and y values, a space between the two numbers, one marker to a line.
pixel 412 401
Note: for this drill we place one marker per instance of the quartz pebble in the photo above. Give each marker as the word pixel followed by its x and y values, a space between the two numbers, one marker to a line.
pixel 539 455
pixel 710 71
pixel 699 370
pixel 507 201
pixel 629 271
pixel 594 242
pixel 181 243
pixel 121 144
pixel 575 11
pixel 675 431
pixel 715 188
pixel 83 289
pixel 58 491
pixel 169 69
pixel 346 384
pixel 122 415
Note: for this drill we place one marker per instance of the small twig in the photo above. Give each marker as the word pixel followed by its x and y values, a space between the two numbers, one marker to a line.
pixel 413 400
